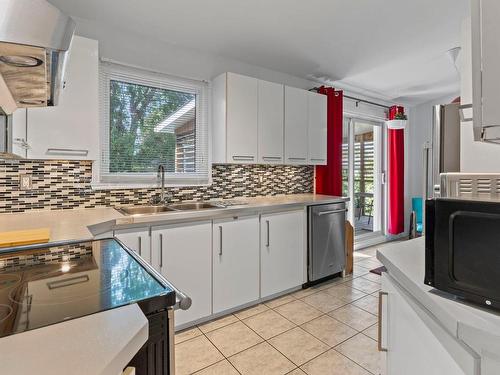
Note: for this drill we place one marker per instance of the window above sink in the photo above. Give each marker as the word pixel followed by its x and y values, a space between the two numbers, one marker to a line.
pixel 147 120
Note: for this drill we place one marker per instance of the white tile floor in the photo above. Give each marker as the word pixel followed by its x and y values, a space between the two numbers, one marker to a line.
pixel 329 329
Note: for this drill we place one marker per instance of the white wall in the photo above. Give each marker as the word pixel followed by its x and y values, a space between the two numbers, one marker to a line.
pixel 420 132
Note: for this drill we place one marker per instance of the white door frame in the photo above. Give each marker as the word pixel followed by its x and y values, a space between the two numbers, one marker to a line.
pixel 380 167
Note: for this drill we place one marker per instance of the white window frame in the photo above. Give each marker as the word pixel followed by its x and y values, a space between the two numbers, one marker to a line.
pixel 114 71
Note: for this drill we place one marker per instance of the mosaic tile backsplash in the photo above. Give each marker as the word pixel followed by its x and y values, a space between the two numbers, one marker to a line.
pixel 62 184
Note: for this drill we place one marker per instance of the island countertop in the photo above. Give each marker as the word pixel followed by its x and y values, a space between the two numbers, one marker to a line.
pixel 98 344
pixel 475 326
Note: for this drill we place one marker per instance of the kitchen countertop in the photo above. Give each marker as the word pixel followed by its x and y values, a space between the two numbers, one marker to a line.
pixel 98 344
pixel 477 327
pixel 64 224
pixel 254 205
pixel 81 224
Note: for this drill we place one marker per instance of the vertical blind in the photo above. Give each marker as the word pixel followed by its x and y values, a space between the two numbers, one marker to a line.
pixel 151 119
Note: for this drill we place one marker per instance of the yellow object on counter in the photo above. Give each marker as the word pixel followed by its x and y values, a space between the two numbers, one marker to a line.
pixel 24 237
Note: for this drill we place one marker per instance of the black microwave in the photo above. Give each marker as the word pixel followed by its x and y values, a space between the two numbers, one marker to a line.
pixel 462 249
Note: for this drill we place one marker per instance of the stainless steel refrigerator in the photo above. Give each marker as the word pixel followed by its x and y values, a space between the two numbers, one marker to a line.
pixel 442 154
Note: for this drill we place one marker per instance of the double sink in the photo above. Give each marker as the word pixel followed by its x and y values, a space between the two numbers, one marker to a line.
pixel 156 209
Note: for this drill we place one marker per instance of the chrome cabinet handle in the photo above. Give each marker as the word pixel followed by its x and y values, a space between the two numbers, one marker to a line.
pixel 267 241
pixel 461 112
pixel 331 212
pixel 140 245
pixel 380 297
pixel 67 151
pixel 243 157
pixel 296 158
pixel 272 157
pixel 220 240
pixel 161 250
pixel 315 159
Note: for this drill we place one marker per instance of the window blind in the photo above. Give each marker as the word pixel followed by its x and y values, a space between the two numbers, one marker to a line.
pixel 148 120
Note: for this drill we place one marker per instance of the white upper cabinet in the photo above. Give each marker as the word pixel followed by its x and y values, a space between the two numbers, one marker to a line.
pixel 317 127
pixel 70 130
pixel 296 124
pixel 260 122
pixel 235 119
pixel 486 69
pixel 271 125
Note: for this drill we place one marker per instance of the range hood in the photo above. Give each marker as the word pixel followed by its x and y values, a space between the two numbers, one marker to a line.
pixel 35 38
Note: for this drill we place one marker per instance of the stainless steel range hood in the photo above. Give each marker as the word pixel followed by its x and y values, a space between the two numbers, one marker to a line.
pixel 35 38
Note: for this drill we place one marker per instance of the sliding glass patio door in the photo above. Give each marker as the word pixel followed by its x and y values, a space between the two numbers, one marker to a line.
pixel 363 177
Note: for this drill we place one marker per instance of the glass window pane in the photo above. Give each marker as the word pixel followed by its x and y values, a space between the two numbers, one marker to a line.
pixel 364 161
pixel 150 126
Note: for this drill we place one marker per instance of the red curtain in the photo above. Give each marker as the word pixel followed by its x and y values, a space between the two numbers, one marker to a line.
pixel 329 177
pixel 396 159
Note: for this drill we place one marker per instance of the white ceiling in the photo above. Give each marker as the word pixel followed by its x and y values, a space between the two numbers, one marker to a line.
pixel 392 49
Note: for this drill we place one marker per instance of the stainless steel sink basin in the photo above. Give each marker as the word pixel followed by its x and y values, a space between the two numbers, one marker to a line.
pixel 144 210
pixel 193 206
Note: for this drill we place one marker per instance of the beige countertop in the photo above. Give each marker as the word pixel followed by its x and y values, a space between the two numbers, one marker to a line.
pixel 81 224
pixel 97 344
pixel 64 224
pixel 249 206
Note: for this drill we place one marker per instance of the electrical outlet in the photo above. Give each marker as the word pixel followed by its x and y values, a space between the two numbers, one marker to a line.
pixel 25 182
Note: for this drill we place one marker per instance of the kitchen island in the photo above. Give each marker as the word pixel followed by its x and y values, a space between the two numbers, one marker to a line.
pixel 427 331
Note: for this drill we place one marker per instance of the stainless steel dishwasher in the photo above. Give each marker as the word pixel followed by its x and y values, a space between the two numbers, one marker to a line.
pixel 326 240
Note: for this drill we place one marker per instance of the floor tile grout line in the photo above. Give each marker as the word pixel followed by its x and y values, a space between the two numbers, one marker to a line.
pixel 352 360
pixel 333 348
pixel 222 360
pixel 283 354
pixel 295 326
pixel 357 330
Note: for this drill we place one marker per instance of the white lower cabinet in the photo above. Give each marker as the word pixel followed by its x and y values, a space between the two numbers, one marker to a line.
pixel 183 253
pixel 226 263
pixel 137 239
pixel 282 251
pixel 416 344
pixel 235 262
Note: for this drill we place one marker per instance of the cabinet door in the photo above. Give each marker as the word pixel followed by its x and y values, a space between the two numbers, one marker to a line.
pixel 414 340
pixel 282 251
pixel 235 262
pixel 317 128
pixel 137 239
pixel 183 254
pixel 70 130
pixel 241 117
pixel 486 60
pixel 271 122
pixel 296 122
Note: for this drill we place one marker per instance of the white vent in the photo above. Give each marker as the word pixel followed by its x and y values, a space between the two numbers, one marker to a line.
pixel 476 186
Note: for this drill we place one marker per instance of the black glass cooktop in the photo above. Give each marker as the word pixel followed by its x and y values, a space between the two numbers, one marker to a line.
pixel 51 284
